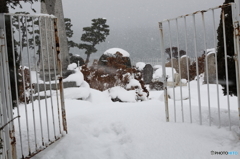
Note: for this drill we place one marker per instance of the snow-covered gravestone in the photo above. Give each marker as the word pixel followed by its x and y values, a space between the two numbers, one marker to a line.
pixel 147 73
pixel 54 7
pixel 211 67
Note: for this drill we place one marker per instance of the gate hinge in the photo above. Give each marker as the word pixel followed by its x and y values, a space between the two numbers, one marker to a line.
pixel 236 29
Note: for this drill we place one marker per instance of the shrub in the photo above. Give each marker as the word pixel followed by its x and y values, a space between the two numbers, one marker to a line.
pixel 113 73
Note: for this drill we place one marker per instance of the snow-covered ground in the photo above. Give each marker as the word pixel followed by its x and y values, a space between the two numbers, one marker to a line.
pixel 101 129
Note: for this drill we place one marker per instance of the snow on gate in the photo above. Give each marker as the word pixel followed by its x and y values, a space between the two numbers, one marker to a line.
pixel 31 118
pixel 196 34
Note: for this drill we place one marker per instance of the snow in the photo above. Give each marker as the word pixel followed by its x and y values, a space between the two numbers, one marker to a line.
pixel 140 65
pixel 169 70
pixel 72 66
pixel 112 51
pixel 101 129
pixel 77 77
pixel 122 94
pixel 138 131
pixel 133 83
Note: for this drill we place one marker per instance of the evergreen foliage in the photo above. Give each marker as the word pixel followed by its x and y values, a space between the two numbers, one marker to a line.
pixel 69 32
pixel 230 52
pixel 94 35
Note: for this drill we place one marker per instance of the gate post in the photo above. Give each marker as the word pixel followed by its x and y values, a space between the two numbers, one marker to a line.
pixel 236 25
pixel 6 107
pixel 164 72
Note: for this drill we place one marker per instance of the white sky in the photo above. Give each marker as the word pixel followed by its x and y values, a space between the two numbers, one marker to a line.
pixel 126 17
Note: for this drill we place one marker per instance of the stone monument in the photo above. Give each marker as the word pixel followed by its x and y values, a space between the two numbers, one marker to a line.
pixel 54 7
pixel 211 69
pixel 147 73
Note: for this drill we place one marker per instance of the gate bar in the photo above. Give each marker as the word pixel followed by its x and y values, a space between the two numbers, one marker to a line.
pixel 174 101
pixel 206 62
pixel 30 73
pixel 226 66
pixel 179 67
pixel 55 74
pixel 164 72
pixel 198 82
pixel 187 60
pixel 16 87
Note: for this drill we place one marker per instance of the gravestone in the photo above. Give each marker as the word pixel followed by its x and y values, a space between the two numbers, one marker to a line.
pixel 54 7
pixel 211 69
pixel 147 73
pixel 183 65
pixel 174 65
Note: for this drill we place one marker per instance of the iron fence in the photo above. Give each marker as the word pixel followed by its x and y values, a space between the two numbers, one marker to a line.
pixel 40 117
pixel 196 33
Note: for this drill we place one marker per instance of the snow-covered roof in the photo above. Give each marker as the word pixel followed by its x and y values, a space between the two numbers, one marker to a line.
pixel 114 50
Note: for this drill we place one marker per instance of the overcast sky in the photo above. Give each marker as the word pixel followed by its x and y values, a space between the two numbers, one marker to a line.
pixel 125 15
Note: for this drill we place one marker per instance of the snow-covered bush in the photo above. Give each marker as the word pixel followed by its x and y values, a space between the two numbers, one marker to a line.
pixel 115 73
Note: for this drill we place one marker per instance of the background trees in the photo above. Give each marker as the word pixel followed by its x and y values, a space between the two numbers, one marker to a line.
pixel 93 35
pixel 69 33
pixel 174 52
pixel 230 52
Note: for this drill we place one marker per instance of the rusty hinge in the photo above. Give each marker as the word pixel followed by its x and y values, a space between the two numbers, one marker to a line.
pixel 236 29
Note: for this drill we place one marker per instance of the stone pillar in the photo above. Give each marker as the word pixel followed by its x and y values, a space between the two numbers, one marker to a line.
pixel 55 8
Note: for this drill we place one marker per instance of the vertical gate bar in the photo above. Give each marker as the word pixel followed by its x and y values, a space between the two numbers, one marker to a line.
pixel 164 72
pixel 59 64
pixel 31 95
pixel 216 66
pixel 187 61
pixel 43 69
pixel 16 87
pixel 180 70
pixel 50 83
pixel 206 62
pixel 8 95
pixel 39 103
pixel 226 66
pixel 195 49
pixel 23 81
pixel 55 74
pixel 5 86
pixel 171 58
pixel 3 46
pixel 9 99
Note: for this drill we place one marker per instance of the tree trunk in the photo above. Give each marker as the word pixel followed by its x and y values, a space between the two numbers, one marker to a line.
pixel 87 59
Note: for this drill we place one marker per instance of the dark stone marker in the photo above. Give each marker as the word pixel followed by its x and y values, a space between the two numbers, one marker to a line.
pixel 147 73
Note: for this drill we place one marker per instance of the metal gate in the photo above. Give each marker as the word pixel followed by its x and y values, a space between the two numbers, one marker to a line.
pixel 32 99
pixel 195 36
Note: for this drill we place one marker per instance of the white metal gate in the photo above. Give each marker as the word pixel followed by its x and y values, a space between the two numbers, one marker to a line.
pixel 196 34
pixel 33 115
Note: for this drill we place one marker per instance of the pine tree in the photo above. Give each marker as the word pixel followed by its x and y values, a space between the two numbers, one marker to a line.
pixel 230 52
pixel 94 35
pixel 69 33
